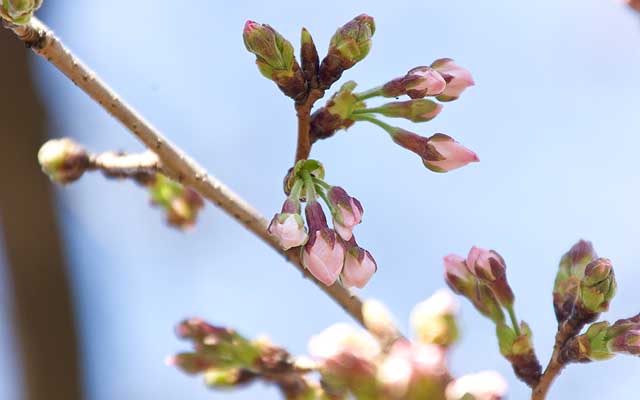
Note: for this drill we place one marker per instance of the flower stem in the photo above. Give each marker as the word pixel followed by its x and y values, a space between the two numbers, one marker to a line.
pixel 303 112
pixel 514 320
pixel 369 118
pixel 367 94
pixel 296 189
pixel 309 186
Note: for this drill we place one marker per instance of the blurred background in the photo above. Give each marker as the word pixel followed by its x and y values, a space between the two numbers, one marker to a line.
pixel 92 281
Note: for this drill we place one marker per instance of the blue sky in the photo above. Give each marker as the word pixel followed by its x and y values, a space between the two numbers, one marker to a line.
pixel 553 116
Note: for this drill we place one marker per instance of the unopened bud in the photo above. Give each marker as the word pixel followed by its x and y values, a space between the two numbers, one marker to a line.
pixel 597 288
pixel 434 320
pixel 221 378
pixel 414 110
pixel 309 59
pixel 625 336
pixel 63 160
pixel 323 255
pixel 439 153
pixel 19 11
pixel 359 266
pixel 182 204
pixel 349 45
pixel 567 282
pixel 457 78
pixel 490 268
pixel 346 210
pixel 275 58
pixel 419 82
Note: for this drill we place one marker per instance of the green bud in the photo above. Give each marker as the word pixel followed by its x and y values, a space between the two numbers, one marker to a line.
pixel 309 59
pixel 63 160
pixel 414 110
pixel 19 11
pixel 567 282
pixel 182 204
pixel 336 115
pixel 275 59
pixel 597 287
pixel 350 44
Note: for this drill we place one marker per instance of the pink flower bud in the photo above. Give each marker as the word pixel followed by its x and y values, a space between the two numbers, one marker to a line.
pixel 457 275
pixel 378 319
pixel 449 154
pixel 489 267
pixel 346 210
pixel 457 78
pixel 323 256
pixel 359 267
pixel 289 230
pixel 439 153
pixel 419 82
pixel 488 385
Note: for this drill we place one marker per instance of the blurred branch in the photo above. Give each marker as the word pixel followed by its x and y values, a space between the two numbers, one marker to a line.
pixel 43 315
pixel 176 164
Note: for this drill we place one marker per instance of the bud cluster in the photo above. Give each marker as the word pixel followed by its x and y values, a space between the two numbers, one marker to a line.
pixel 444 80
pixel 328 254
pixel 18 11
pixel 226 359
pixel 276 59
pixel 351 363
pixel 65 161
pixel 482 279
pixel 584 286
pixel 603 341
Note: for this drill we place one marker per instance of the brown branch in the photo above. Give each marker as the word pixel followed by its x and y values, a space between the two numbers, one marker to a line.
pixel 176 164
pixel 566 331
pixel 303 111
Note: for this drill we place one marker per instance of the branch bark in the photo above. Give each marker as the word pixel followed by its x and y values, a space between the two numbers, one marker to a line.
pixel 566 331
pixel 176 164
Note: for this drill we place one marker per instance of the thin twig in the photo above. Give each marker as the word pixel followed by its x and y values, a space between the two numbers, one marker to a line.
pixel 176 164
pixel 125 165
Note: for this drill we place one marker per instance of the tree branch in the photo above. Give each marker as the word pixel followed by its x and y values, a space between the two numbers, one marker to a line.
pixel 176 164
pixel 566 331
pixel 303 112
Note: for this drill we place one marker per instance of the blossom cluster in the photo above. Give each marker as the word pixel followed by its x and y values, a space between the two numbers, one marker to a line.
pixel 328 254
pixel 352 363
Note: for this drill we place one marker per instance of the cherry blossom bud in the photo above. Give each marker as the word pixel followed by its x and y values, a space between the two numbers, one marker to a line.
pixel 434 320
pixel 288 226
pixel 182 204
pixel 323 255
pixel 457 78
pixel 346 210
pixel 439 153
pixel 63 160
pixel 486 385
pixel 349 45
pixel 275 58
pixel 419 82
pixel 359 266
pixel 570 271
pixel 457 275
pixel 597 288
pixel 19 11
pixel 490 268
pixel 420 110
pixel 222 378
pixel 310 62
pixel 624 336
